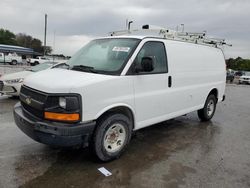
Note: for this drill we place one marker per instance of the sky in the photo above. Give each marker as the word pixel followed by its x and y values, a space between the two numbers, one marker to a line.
pixel 72 23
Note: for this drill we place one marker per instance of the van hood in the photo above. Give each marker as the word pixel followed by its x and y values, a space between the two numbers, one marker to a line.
pixel 62 80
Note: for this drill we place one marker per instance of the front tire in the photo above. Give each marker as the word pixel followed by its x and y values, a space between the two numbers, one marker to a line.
pixel 111 136
pixel 207 112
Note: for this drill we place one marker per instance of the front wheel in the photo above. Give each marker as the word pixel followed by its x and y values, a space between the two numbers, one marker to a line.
pixel 207 112
pixel 112 136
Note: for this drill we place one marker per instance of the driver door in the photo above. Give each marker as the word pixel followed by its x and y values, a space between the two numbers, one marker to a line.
pixel 151 88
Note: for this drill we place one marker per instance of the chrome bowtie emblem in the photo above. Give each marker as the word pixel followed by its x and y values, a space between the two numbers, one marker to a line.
pixel 28 100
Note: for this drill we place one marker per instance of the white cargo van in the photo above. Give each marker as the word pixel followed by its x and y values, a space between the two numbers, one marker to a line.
pixel 119 84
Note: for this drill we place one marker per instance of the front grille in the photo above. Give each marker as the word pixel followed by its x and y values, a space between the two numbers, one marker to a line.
pixel 8 89
pixel 36 112
pixel 1 85
pixel 35 96
pixel 52 101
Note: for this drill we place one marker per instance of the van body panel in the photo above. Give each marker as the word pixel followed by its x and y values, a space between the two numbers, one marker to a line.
pixel 99 97
pixel 196 70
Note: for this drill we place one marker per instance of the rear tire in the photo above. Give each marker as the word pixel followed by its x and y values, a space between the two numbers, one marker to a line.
pixel 207 112
pixel 111 136
pixel 13 62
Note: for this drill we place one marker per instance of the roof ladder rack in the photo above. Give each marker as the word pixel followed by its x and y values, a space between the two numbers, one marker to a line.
pixel 194 37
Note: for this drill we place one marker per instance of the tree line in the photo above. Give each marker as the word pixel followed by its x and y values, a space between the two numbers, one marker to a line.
pixel 21 39
pixel 238 64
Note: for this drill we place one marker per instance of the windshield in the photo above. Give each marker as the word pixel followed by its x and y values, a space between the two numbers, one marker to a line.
pixel 42 66
pixel 107 56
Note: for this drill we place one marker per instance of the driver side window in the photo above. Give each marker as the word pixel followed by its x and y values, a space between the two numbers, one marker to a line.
pixel 155 50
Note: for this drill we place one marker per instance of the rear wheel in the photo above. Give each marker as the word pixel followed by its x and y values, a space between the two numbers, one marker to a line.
pixel 207 112
pixel 112 136
pixel 13 62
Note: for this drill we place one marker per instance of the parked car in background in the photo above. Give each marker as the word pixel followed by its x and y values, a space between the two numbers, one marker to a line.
pixel 239 73
pixel 245 79
pixel 10 84
pixel 37 60
pixel 11 59
pixel 230 77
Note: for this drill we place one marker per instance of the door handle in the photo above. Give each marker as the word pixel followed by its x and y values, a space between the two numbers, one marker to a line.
pixel 169 81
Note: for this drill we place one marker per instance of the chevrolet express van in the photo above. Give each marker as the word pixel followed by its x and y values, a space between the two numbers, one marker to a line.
pixel 119 84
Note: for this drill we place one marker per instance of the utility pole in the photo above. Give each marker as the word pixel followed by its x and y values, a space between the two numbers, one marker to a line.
pixel 129 23
pixel 54 44
pixel 182 25
pixel 45 34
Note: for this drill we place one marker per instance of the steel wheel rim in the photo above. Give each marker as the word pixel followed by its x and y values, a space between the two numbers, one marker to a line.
pixel 114 138
pixel 210 108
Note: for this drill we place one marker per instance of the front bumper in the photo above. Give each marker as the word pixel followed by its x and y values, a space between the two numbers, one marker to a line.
pixel 13 89
pixel 243 81
pixel 54 134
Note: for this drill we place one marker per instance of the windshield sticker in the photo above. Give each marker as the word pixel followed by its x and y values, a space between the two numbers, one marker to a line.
pixel 120 49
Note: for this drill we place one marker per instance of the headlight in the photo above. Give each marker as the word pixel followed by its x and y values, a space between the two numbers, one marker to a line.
pixel 62 102
pixel 14 81
pixel 63 108
pixel 69 103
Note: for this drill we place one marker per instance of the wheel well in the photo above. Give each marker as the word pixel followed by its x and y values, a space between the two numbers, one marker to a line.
pixel 214 92
pixel 122 110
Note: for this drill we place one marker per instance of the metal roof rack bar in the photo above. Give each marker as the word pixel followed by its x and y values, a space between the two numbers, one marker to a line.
pixel 194 37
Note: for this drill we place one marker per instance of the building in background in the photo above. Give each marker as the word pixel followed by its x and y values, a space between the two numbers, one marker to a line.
pixel 23 52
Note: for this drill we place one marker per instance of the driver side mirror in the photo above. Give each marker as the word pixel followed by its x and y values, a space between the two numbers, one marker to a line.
pixel 147 65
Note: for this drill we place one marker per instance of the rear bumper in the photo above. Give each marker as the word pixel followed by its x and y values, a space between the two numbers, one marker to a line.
pixel 54 134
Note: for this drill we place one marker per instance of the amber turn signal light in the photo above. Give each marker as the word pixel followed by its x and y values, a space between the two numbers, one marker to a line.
pixel 61 117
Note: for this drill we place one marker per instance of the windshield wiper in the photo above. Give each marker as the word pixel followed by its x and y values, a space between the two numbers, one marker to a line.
pixel 64 64
pixel 84 68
